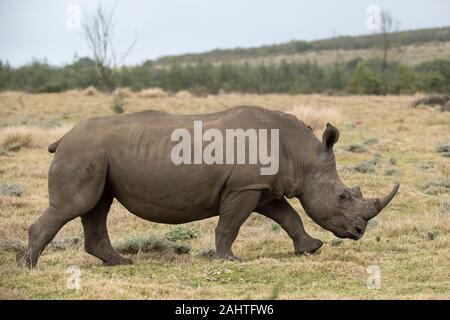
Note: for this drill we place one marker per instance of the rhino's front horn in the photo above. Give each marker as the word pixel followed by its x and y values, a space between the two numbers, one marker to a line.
pixel 376 205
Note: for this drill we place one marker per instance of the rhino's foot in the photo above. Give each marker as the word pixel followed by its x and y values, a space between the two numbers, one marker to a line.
pixel 228 256
pixel 310 246
pixel 119 261
pixel 24 259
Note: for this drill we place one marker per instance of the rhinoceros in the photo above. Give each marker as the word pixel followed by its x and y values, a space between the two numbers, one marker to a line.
pixel 128 157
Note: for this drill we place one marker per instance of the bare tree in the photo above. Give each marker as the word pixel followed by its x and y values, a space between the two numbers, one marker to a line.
pixel 98 31
pixel 387 26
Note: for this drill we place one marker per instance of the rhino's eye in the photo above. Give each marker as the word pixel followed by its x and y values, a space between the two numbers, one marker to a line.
pixel 344 195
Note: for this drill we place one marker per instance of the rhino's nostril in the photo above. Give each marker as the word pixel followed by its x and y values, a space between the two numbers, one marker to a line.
pixel 359 231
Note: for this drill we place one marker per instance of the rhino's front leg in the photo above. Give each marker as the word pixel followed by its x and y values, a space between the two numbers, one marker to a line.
pixel 234 210
pixel 282 212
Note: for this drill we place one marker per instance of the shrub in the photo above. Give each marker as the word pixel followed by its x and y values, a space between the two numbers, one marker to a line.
pixel 11 189
pixel 358 148
pixel 336 241
pixel 444 150
pixel 150 243
pixel 434 187
pixel 365 167
pixel 118 104
pixel 208 253
pixel 391 172
pixel 275 227
pixel 432 234
pixel 50 88
pixel 65 243
pixel 392 161
pixel 372 223
pixel 445 207
pixel 371 141
pixel 11 245
pixel 426 166
pixel 181 233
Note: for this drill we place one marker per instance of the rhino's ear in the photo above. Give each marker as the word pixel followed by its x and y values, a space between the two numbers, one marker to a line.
pixel 330 136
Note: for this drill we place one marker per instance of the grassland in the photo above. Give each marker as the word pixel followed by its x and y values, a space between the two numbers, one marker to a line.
pixel 412 54
pixel 408 47
pixel 409 241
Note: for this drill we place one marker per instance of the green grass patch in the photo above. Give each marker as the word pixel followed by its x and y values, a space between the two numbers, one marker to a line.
pixel 181 233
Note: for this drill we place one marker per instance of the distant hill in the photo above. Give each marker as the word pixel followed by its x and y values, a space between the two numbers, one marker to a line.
pixel 421 37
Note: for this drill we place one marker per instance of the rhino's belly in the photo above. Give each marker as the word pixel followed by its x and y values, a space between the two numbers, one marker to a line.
pixel 155 213
pixel 162 192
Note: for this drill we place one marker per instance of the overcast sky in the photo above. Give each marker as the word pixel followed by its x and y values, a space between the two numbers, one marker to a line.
pixel 48 28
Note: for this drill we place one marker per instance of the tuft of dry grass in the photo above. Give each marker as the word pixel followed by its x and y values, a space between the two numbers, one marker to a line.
pixel 183 94
pixel 90 91
pixel 153 93
pixel 16 138
pixel 316 117
pixel 123 92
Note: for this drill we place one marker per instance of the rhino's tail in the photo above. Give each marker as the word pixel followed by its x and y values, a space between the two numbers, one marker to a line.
pixel 52 148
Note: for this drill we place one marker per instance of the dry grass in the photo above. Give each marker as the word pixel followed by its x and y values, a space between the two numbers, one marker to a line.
pixel 409 55
pixel 183 94
pixel 123 92
pixel 316 117
pixel 15 138
pixel 410 241
pixel 90 91
pixel 153 93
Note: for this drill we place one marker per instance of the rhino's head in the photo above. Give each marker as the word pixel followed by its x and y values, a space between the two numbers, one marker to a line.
pixel 329 202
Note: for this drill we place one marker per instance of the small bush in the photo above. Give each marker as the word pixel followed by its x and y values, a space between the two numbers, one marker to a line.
pixel 11 189
pixel 181 233
pixel 432 234
pixel 65 243
pixel 444 150
pixel 372 141
pixel 365 167
pixel 392 161
pixel 392 172
pixel 445 207
pixel 208 253
pixel 358 148
pixel 50 88
pixel 275 227
pixel 426 166
pixel 336 241
pixel 3 152
pixel 11 245
pixel 118 104
pixel 434 187
pixel 150 243
pixel 372 223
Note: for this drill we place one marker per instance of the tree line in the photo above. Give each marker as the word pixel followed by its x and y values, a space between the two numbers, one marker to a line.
pixel 357 76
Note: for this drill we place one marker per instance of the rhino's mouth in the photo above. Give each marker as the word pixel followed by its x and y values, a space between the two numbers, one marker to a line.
pixel 355 233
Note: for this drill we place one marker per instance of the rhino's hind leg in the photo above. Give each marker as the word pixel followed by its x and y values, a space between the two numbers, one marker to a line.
pixel 75 186
pixel 40 233
pixel 282 212
pixel 234 210
pixel 96 239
